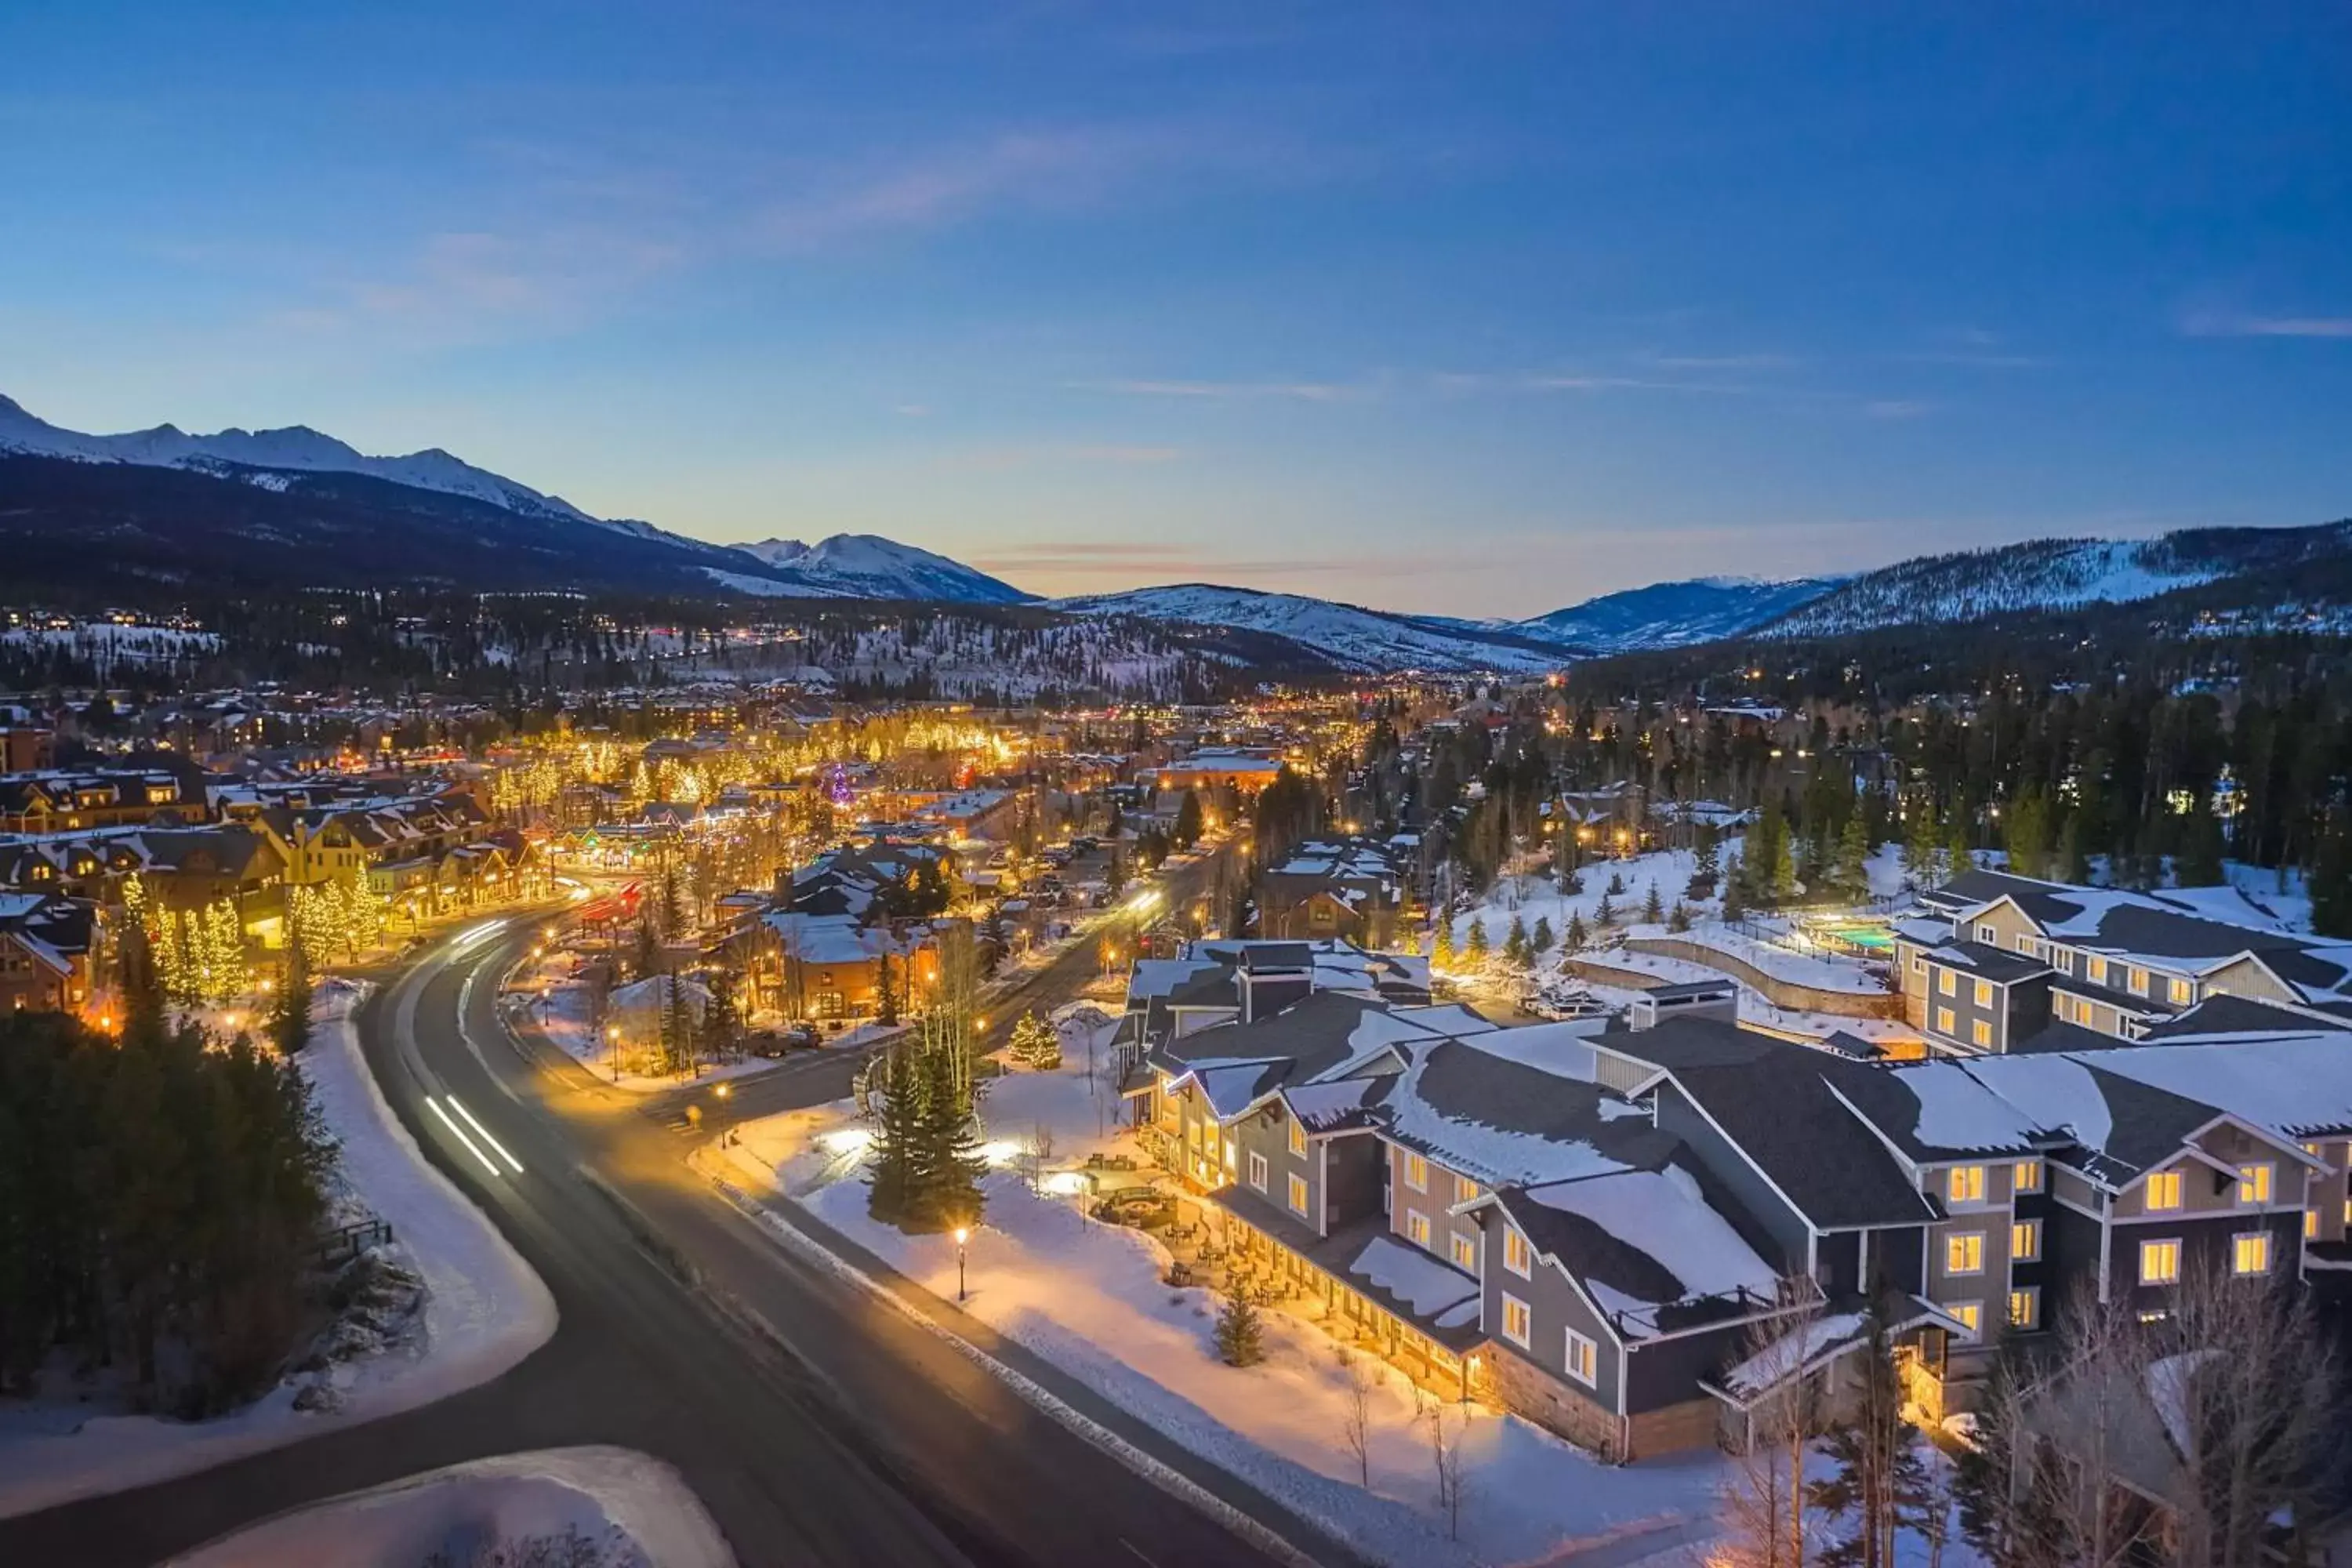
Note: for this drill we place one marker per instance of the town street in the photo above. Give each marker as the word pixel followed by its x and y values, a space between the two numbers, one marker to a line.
pixel 817 1425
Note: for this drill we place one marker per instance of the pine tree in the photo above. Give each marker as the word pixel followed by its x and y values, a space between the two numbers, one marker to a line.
pixel 1241 1334
pixel 1605 913
pixel 289 1019
pixel 1577 935
pixel 1706 862
pixel 1440 946
pixel 1678 917
pixel 1784 871
pixel 1515 944
pixel 1188 821
pixel 1540 943
pixel 1479 949
pixel 886 992
pixel 1735 898
pixel 1652 909
pixel 1616 884
pixel 1851 873
pixel 1957 856
pixel 1036 1044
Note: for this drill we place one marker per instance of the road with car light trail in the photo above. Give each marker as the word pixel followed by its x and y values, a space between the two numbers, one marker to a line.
pixel 817 1425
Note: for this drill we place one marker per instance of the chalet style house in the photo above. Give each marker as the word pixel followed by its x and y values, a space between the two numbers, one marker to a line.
pixel 1354 889
pixel 49 948
pixel 1992 963
pixel 1634 1234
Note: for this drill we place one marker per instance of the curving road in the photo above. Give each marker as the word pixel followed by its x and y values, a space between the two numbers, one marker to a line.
pixel 817 1425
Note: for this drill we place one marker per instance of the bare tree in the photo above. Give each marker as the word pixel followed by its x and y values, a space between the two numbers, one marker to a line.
pixel 1357 1425
pixel 1446 1455
pixel 1764 1497
pixel 2244 1385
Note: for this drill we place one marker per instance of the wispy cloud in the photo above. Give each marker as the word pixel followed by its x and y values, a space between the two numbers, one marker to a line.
pixel 469 286
pixel 2216 324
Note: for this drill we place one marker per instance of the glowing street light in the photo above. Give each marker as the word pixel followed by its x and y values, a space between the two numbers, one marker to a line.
pixel 961 1235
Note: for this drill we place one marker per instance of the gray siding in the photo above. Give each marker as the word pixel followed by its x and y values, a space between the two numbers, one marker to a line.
pixel 1554 1308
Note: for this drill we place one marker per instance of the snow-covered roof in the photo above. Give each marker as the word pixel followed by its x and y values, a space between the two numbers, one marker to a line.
pixel 1428 1286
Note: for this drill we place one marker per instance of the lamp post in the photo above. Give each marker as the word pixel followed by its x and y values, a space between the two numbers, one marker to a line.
pixel 613 1049
pixel 961 1235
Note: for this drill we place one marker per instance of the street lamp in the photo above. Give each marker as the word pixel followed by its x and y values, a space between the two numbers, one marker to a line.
pixel 613 1049
pixel 962 1236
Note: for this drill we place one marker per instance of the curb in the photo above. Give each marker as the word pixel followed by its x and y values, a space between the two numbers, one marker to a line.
pixel 1159 1472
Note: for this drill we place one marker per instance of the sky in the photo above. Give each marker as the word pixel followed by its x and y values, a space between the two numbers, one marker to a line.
pixel 1471 310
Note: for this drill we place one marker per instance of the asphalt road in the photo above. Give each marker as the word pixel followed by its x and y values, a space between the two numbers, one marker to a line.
pixel 816 1424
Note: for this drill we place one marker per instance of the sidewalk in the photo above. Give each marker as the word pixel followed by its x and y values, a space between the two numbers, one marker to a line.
pixel 1083 1309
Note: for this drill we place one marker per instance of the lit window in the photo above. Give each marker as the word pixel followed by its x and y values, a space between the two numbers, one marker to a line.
pixel 2250 1253
pixel 1982 1033
pixel 1465 1190
pixel 1964 1253
pixel 1257 1170
pixel 1583 1359
pixel 1516 1257
pixel 1299 1194
pixel 1948 980
pixel 2183 992
pixel 1298 1136
pixel 2164 1190
pixel 2310 1224
pixel 2138 981
pixel 1984 992
pixel 2095 970
pixel 1965 1183
pixel 2025 1241
pixel 1944 1022
pixel 1232 1153
pixel 2159 1262
pixel 1416 1172
pixel 2254 1184
pixel 1970 1315
pixel 1465 1253
pixel 2025 1309
pixel 2026 1176
pixel 1416 1226
pixel 1517 1322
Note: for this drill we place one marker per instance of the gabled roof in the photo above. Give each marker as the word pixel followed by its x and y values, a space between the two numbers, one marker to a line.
pixel 1773 1100
pixel 1645 1247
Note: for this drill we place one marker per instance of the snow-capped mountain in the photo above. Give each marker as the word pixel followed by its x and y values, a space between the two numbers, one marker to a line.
pixel 843 566
pixel 258 454
pixel 2055 575
pixel 1677 615
pixel 867 566
pixel 1346 636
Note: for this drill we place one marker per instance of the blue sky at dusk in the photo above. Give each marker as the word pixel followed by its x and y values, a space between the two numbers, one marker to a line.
pixel 1470 309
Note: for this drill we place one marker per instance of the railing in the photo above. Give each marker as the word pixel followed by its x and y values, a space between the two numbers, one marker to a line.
pixel 344 1243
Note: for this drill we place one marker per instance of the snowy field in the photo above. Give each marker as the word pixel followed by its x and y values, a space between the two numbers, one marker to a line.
pixel 1090 1299
pixel 484 1311
pixel 623 1508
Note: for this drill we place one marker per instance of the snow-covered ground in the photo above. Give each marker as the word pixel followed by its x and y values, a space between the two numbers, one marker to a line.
pixel 484 1311
pixel 565 1019
pixel 1090 1299
pixel 1798 969
pixel 623 1508
pixel 1535 897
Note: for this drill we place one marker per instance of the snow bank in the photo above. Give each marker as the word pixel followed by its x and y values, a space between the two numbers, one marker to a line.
pixel 1090 1299
pixel 637 1510
pixel 484 1311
